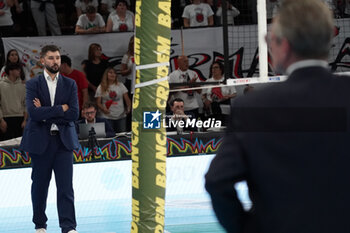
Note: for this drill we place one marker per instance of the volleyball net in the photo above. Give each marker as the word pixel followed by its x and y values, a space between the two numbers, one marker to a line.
pixel 244 40
pixel 246 32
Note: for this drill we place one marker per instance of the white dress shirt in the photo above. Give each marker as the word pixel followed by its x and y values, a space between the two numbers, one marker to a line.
pixel 52 85
pixel 179 76
pixel 86 122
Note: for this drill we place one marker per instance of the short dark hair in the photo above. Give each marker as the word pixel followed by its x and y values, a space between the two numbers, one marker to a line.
pixel 12 66
pixel 221 67
pixel 176 100
pixel 90 9
pixel 92 48
pixel 121 1
pixel 89 104
pixel 46 48
pixel 66 59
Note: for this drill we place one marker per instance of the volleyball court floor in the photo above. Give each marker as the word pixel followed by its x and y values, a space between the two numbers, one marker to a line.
pixel 103 198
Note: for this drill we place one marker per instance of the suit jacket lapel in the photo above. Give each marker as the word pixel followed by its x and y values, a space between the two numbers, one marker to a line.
pixel 59 88
pixel 46 101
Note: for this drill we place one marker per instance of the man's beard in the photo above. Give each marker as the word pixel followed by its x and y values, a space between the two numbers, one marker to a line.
pixel 52 70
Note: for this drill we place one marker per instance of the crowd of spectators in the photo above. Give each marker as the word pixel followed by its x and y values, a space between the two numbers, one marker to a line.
pixel 67 17
pixel 12 103
pixel 109 89
pixel 99 82
pixel 38 17
pixel 112 100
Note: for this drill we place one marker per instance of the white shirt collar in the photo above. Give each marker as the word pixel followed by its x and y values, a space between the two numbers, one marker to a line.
pixel 86 122
pixel 306 63
pixel 51 85
pixel 182 71
pixel 217 80
pixel 48 78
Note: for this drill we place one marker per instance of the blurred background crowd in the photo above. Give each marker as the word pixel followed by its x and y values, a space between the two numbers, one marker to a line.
pixel 99 82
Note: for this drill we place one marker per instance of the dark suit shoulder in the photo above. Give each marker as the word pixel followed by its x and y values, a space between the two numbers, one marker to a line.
pixel 36 79
pixel 261 97
pixel 311 86
pixel 339 90
pixel 34 82
pixel 68 83
pixel 67 80
pixel 81 121
pixel 342 79
pixel 99 119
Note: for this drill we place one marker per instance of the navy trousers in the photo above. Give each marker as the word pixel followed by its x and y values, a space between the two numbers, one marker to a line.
pixel 60 160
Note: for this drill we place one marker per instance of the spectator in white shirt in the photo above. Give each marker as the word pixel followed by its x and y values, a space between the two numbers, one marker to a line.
pixel 218 98
pixel 81 5
pixel 6 22
pixel 108 6
pixel 90 23
pixel 121 20
pixel 184 75
pixel 198 14
pixel 231 13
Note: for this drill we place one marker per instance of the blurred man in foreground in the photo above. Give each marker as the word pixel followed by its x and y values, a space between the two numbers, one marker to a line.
pixel 289 141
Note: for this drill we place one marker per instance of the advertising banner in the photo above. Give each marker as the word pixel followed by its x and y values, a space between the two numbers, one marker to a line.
pixel 201 45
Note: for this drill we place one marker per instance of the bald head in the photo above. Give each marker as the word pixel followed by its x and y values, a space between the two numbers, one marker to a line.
pixel 182 62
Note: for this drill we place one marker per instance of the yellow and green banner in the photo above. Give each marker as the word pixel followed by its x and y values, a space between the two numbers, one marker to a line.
pixel 152 52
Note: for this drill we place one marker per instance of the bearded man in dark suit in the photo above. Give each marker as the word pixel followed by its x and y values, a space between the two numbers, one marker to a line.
pixel 50 138
pixel 289 141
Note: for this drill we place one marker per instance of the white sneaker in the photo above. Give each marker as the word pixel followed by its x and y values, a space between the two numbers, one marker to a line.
pixel 40 230
pixel 72 231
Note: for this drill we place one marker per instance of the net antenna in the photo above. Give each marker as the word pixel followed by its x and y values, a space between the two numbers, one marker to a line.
pixel 262 32
pixel 182 42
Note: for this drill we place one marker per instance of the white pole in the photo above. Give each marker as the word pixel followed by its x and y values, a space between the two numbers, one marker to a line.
pixel 262 30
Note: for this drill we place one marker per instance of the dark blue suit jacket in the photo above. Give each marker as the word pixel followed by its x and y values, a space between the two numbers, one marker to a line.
pixel 290 142
pixel 36 134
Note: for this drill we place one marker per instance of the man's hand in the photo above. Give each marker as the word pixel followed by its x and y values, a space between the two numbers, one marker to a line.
pixel 37 103
pixel 24 122
pixel 65 107
pixel 93 30
pixel 194 79
pixel 3 126
pixel 94 88
pixel 106 111
pixel 207 103
pixel 179 114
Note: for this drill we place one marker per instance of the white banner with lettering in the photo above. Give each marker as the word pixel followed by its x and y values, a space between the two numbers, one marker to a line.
pixel 201 45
